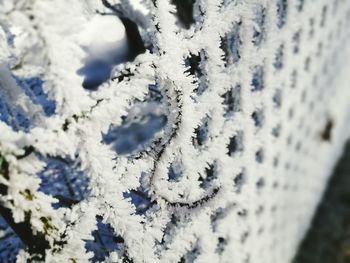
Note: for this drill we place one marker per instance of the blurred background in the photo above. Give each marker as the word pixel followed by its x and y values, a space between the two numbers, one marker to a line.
pixel 328 239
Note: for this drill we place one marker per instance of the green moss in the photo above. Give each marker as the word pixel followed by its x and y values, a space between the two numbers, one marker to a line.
pixel 48 227
pixel 28 194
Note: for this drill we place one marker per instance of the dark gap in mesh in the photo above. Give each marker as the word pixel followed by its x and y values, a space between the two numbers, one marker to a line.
pixel 276 131
pixel 185 12
pixel 300 5
pixel 221 245
pixel 296 42
pixel 235 144
pixel 282 11
pixel 312 27
pixel 232 100
pixel 277 98
pixel 259 31
pixel 278 64
pixel 201 133
pixel 195 67
pixel 259 156
pixel 175 171
pixel 239 181
pixel 258 118
pixel 323 16
pixel 210 175
pixel 231 44
pixel 260 183
pixel 192 62
pixel 258 78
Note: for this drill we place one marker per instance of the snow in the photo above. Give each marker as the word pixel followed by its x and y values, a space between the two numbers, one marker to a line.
pixel 104 38
pixel 171 154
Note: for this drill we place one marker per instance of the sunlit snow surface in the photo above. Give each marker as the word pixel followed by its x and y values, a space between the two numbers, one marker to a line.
pixel 105 43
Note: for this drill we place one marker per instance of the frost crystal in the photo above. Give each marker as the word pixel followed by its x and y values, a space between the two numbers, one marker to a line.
pixel 167 131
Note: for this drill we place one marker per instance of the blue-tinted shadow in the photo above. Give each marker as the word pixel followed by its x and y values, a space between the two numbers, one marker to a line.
pixel 63 180
pixel 13 116
pixel 33 88
pixel 132 136
pixel 104 242
pixel 10 243
pixel 95 73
